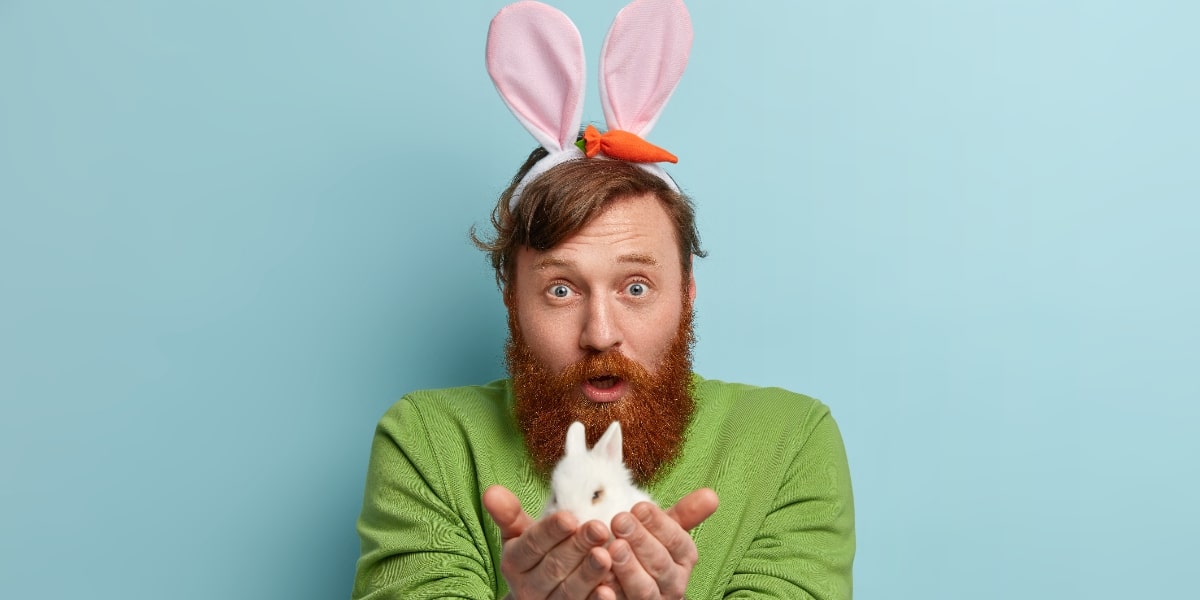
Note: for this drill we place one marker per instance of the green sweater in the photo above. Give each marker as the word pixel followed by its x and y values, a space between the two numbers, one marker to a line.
pixel 784 528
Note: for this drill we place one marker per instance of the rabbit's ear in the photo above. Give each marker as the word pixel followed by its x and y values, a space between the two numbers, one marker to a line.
pixel 643 58
pixel 576 439
pixel 535 58
pixel 609 446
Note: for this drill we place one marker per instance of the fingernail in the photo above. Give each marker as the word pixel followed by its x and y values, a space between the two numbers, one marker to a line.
pixel 563 524
pixel 623 524
pixel 595 562
pixel 620 555
pixel 643 513
pixel 593 536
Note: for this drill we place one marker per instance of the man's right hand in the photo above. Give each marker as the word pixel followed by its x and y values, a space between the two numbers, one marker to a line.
pixel 550 558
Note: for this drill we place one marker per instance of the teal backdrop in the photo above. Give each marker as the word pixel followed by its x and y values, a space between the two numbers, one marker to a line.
pixel 233 233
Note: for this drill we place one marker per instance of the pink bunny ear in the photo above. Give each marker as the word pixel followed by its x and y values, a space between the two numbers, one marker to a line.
pixel 535 58
pixel 642 61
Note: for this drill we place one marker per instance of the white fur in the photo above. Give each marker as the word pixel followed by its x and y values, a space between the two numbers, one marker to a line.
pixel 582 472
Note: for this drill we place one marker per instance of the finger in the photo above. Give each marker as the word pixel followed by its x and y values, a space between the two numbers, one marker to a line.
pixel 694 508
pixel 610 579
pixel 603 592
pixel 539 539
pixel 588 575
pixel 650 554
pixel 505 509
pixel 566 567
pixel 632 578
pixel 675 539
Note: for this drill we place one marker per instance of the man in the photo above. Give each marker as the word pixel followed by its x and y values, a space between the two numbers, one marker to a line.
pixel 595 267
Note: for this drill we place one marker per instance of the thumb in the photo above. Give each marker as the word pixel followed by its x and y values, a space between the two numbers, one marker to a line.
pixel 694 508
pixel 505 509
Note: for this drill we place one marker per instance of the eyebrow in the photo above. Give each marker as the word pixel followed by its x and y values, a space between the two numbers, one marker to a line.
pixel 641 259
pixel 552 261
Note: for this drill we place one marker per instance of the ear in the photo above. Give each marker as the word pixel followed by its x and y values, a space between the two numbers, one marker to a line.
pixel 642 61
pixel 535 58
pixel 576 439
pixel 609 446
pixel 506 295
pixel 691 287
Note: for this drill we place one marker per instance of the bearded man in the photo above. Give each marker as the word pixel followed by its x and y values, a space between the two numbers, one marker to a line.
pixel 594 264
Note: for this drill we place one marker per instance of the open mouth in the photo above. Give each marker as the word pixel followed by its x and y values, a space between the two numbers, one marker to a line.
pixel 605 388
pixel 604 382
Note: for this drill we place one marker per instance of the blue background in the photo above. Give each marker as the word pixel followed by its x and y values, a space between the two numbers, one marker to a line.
pixel 233 233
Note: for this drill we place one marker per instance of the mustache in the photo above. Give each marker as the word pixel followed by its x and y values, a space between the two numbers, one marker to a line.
pixel 611 363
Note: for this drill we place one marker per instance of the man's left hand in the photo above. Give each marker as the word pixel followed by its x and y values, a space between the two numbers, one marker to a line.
pixel 653 555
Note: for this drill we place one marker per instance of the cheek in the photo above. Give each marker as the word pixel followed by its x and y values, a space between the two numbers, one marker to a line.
pixel 550 342
pixel 657 339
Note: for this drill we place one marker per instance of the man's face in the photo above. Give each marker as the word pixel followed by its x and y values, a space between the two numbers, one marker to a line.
pixel 601 331
pixel 617 284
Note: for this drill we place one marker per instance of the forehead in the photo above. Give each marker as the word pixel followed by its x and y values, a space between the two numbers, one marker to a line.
pixel 636 229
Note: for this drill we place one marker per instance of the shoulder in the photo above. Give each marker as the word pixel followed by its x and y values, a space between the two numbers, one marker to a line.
pixel 750 419
pixel 766 406
pixel 745 438
pixel 463 409
pixel 488 397
pixel 463 439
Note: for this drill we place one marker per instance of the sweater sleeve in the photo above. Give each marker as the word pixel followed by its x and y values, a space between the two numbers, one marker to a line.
pixel 415 543
pixel 805 547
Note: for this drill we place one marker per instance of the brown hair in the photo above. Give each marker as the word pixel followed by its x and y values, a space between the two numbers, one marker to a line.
pixel 562 200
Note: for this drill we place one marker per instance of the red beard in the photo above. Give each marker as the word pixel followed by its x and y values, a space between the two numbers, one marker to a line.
pixel 654 413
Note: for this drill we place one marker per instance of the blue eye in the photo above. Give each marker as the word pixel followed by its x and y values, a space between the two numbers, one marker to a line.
pixel 560 291
pixel 636 289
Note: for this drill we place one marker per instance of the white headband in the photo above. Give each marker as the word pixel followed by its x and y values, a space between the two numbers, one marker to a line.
pixel 535 59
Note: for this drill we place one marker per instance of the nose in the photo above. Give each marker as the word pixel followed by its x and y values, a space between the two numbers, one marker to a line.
pixel 601 332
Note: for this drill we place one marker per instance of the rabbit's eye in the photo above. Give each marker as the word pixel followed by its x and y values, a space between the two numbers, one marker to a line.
pixel 597 496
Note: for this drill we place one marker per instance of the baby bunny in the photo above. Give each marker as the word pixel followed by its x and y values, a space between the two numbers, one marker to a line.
pixel 593 484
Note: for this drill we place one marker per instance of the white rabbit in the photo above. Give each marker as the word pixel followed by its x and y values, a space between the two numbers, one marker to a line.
pixel 593 484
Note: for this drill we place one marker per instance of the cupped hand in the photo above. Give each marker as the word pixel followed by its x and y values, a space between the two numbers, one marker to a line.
pixel 552 557
pixel 653 555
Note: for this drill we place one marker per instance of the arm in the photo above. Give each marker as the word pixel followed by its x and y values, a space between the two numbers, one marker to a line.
pixel 416 540
pixel 805 546
pixel 423 533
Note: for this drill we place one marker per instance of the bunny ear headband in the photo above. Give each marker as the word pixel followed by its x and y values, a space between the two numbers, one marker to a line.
pixel 535 58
